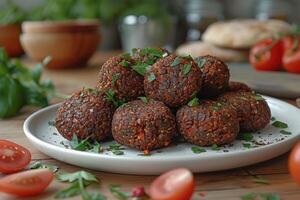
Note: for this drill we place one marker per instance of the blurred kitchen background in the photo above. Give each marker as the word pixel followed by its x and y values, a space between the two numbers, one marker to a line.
pixel 174 21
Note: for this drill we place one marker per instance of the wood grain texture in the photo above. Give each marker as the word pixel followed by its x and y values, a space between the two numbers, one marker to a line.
pixel 224 185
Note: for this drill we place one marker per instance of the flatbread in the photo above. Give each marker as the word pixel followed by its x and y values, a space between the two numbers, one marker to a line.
pixel 196 49
pixel 243 33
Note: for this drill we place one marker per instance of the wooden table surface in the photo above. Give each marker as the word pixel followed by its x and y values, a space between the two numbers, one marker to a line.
pixel 224 185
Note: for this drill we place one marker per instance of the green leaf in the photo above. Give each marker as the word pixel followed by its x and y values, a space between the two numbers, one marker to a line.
pixel 115 190
pixel 71 177
pixel 258 97
pixel 97 196
pixel 200 62
pixel 125 56
pixel 176 61
pixel 245 136
pixel 247 145
pixel 198 150
pixel 186 69
pixel 249 196
pixel 116 149
pixel 273 118
pixel 144 99
pixel 260 180
pixel 125 63
pixel 115 77
pixel 97 148
pixel 279 124
pixel 215 147
pixel 141 68
pixel 270 196
pixel 151 77
pixel 284 132
pixel 193 102
pixel 71 191
pixel 40 165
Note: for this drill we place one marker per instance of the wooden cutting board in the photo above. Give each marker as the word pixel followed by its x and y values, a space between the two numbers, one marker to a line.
pixel 277 84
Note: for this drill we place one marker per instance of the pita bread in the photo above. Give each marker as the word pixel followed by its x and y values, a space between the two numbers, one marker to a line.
pixel 196 49
pixel 243 33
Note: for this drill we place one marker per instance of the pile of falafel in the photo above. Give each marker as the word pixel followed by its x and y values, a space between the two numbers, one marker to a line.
pixel 146 99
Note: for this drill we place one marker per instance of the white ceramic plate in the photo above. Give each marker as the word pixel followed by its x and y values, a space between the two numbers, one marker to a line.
pixel 44 137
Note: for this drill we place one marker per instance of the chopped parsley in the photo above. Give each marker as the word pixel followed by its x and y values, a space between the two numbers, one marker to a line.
pixel 151 77
pixel 141 68
pixel 111 96
pixel 193 102
pixel 245 136
pixel 176 61
pixel 118 194
pixel 249 196
pixel 273 118
pixel 144 99
pixel 186 69
pixel 116 149
pixel 200 62
pixel 215 147
pixel 198 150
pixel 125 56
pixel 40 165
pixel 85 145
pixel 284 132
pixel 115 77
pixel 258 97
pixel 263 196
pixel 125 63
pixel 51 123
pixel 279 124
pixel 247 145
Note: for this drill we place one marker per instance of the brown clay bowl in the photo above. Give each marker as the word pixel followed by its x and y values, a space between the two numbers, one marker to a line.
pixel 69 43
pixel 9 39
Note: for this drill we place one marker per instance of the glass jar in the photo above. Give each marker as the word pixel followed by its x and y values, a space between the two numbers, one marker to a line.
pixel 199 14
pixel 273 9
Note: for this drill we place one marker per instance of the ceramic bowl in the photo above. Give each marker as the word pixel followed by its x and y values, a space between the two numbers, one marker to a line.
pixel 9 39
pixel 69 43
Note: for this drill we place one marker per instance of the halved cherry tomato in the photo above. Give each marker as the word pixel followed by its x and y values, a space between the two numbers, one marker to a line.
pixel 294 163
pixel 27 183
pixel 266 55
pixel 291 56
pixel 13 157
pixel 176 184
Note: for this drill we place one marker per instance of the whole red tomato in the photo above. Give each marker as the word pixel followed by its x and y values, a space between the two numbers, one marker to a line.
pixel 291 56
pixel 294 163
pixel 266 55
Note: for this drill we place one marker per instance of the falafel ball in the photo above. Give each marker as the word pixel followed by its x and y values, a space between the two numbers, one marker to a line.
pixel 149 55
pixel 252 109
pixel 208 123
pixel 174 80
pixel 235 86
pixel 87 114
pixel 116 74
pixel 215 76
pixel 144 124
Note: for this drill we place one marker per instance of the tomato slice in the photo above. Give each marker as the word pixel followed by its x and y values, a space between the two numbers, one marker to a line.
pixel 291 56
pixel 13 157
pixel 27 183
pixel 177 184
pixel 294 163
pixel 266 55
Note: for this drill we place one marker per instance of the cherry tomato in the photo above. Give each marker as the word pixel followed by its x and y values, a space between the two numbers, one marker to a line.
pixel 13 157
pixel 266 55
pixel 176 184
pixel 294 163
pixel 27 183
pixel 291 56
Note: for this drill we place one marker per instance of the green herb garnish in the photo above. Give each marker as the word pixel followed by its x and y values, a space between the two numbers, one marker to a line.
pixel 85 145
pixel 200 62
pixel 193 102
pixel 198 150
pixel 115 77
pixel 176 61
pixel 40 165
pixel 245 136
pixel 260 180
pixel 215 147
pixel 144 99
pixel 269 196
pixel 273 118
pixel 151 77
pixel 284 132
pixel 249 196
pixel 279 124
pixel 141 68
pixel 258 97
pixel 247 145
pixel 125 56
pixel 186 69
pixel 115 190
pixel 111 96
pixel 125 63
pixel 116 149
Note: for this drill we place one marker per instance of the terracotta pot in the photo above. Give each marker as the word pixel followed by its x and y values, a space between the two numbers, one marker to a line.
pixel 69 43
pixel 9 39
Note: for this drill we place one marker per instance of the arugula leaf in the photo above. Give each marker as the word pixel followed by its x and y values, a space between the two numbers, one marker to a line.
pixel 186 69
pixel 115 190
pixel 193 102
pixel 198 150
pixel 151 77
pixel 40 165
pixel 279 124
